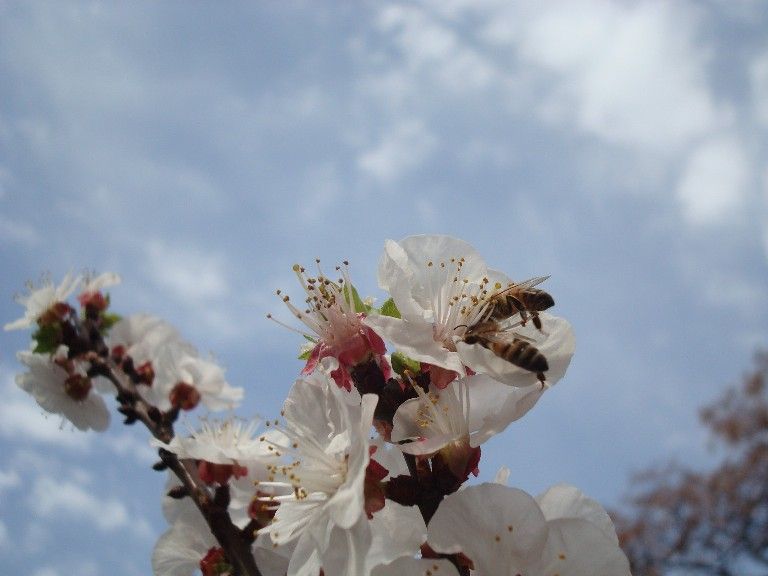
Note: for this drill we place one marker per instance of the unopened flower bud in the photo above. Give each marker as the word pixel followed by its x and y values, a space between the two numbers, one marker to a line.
pixel 55 314
pixel 77 386
pixel 184 396
pixel 214 563
pixel 146 373
pixel 211 473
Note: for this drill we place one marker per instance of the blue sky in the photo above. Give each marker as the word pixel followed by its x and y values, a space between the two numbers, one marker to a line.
pixel 201 150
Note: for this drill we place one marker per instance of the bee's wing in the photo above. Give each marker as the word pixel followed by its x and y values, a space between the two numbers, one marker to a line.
pixel 530 283
pixel 524 285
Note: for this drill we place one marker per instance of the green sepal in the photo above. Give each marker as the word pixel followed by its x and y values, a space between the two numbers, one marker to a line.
pixel 359 305
pixel 47 338
pixel 108 320
pixel 400 363
pixel 390 309
pixel 305 355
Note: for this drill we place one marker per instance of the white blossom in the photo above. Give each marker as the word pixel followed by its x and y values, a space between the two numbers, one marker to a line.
pixel 141 336
pixel 325 514
pixel 180 549
pixel 442 288
pixel 47 382
pixel 41 299
pixel 175 367
pixel 94 284
pixel 506 532
pixel 417 567
pixel 467 412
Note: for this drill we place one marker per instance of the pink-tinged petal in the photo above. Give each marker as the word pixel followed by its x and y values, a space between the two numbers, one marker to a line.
pixel 502 530
pixel 579 548
pixel 354 350
pixel 565 501
pixel 375 343
pixel 318 352
pixel 439 376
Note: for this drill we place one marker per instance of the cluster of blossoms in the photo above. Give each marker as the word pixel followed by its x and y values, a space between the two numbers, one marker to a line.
pixel 313 492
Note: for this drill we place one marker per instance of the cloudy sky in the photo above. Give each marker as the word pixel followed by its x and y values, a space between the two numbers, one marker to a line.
pixel 201 149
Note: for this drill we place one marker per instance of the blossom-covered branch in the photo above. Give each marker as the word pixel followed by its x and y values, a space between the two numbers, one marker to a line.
pixel 312 492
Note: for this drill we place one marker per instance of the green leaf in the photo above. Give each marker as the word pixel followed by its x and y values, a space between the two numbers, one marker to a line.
pixel 360 306
pixel 401 363
pixel 47 339
pixel 390 309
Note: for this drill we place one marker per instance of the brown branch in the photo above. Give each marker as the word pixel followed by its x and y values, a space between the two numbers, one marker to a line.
pixel 234 542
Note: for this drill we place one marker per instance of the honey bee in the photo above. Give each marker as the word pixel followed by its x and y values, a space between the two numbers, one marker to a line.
pixel 520 298
pixel 510 346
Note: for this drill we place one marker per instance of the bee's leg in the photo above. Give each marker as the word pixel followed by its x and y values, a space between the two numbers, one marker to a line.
pixel 536 320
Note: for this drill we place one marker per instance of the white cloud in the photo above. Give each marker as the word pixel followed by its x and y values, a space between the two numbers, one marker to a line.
pixel 428 212
pixel 5 173
pixel 401 149
pixel 46 571
pixel 433 49
pixel 192 275
pixel 52 497
pixel 16 231
pixel 322 189
pixel 129 445
pixel 4 541
pixel 758 75
pixel 8 480
pixel 711 189
pixel 629 73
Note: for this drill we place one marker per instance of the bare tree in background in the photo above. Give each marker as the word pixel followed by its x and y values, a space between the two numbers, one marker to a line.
pixel 685 522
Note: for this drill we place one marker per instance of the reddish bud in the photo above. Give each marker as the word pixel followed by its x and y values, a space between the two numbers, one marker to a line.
pixel 373 489
pixel 93 301
pixel 211 473
pixel 184 396
pixel 77 387
pixel 262 508
pixel 118 353
pixel 146 374
pixel 55 314
pixel 214 563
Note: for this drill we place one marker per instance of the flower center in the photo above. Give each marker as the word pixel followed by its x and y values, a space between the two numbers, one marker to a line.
pixel 330 311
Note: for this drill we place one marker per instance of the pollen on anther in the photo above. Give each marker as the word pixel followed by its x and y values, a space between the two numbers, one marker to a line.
pixel 509 528
pixel 561 556
pixel 497 538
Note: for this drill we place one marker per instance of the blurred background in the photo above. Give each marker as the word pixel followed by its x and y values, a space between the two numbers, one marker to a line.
pixel 200 149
